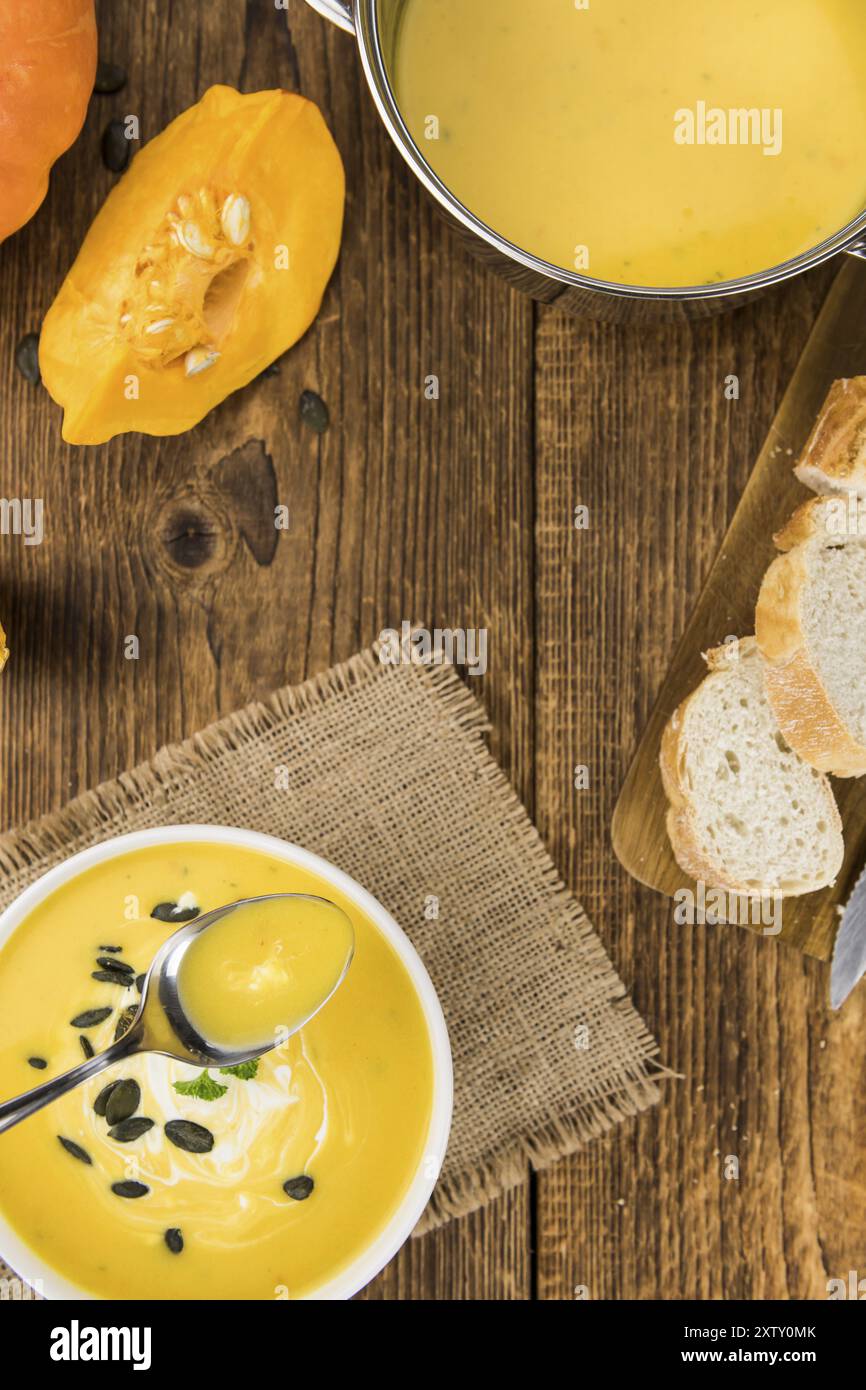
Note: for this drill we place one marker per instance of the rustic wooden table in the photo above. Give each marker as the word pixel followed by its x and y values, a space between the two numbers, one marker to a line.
pixel 456 512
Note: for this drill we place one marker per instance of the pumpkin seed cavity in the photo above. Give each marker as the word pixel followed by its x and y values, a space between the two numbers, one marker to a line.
pixel 299 1188
pixel 123 1101
pixel 76 1150
pixel 188 282
pixel 187 1135
pixel 38 1062
pixel 130 1130
pixel 174 1239
pixel 129 1189
pixel 90 1018
pixel 27 358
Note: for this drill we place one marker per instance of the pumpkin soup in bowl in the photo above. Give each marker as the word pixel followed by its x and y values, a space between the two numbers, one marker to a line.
pixel 668 144
pixel 297 1175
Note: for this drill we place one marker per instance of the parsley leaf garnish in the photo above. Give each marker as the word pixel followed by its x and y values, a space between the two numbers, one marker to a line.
pixel 202 1087
pixel 244 1071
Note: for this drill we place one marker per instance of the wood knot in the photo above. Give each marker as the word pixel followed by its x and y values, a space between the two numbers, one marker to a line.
pixel 192 537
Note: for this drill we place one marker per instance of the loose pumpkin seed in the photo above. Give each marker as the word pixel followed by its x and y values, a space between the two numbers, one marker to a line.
pixel 125 1021
pixel 116 149
pixel 75 1149
pixel 109 963
pixel 90 1018
pixel 124 1100
pixel 174 1240
pixel 27 358
pixel 112 977
pixel 86 1046
pixel 110 78
pixel 102 1099
pixel 314 412
pixel 130 1130
pixel 129 1189
pixel 38 1062
pixel 170 912
pixel 298 1188
pixel 187 1135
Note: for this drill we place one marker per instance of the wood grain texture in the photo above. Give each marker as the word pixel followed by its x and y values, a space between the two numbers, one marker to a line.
pixel 454 512
pixel 836 349
pixel 635 426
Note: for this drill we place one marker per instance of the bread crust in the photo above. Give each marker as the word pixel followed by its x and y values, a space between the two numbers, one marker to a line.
pixel 808 721
pixel 681 819
pixel 834 458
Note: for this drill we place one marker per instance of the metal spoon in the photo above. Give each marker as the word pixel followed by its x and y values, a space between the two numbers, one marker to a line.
pixel 160 1024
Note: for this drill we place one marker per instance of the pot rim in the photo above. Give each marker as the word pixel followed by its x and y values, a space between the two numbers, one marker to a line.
pixel 364 23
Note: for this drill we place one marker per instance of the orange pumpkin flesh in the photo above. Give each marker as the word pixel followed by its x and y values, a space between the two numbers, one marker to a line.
pixel 207 261
pixel 47 67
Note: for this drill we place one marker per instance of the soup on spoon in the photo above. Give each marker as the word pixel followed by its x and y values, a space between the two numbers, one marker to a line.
pixel 256 975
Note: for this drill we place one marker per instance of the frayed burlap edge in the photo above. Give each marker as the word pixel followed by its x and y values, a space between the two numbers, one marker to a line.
pixel 107 807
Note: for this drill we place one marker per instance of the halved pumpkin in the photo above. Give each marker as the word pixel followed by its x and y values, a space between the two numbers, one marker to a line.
pixel 47 65
pixel 207 261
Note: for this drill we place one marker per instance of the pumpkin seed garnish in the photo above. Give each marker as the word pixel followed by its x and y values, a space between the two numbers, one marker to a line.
pixel 124 1100
pixel 116 149
pixel 170 912
pixel 90 1018
pixel 130 1130
pixel 115 950
pixel 314 412
pixel 129 1189
pixel 113 977
pixel 110 78
pixel 38 1062
pixel 27 358
pixel 174 1240
pixel 86 1046
pixel 139 983
pixel 124 1022
pixel 75 1149
pixel 187 1135
pixel 102 1099
pixel 298 1188
pixel 108 963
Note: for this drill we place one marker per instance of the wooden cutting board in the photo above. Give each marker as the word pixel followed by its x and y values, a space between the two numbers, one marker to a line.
pixel 726 608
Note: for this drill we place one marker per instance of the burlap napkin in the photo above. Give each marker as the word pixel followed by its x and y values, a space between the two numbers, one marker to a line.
pixel 384 771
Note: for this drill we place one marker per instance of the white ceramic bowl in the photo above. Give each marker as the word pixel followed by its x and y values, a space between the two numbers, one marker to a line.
pixel 388 1242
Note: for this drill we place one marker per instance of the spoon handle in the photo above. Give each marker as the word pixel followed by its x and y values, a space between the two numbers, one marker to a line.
pixel 19 1107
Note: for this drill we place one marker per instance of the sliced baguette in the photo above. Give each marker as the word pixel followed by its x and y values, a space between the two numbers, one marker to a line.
pixel 811 629
pixel 746 814
pixel 834 459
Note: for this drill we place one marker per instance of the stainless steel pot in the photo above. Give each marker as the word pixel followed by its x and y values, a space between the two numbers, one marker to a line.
pixel 374 24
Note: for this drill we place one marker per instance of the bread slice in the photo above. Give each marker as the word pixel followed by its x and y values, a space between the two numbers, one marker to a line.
pixel 834 459
pixel 746 814
pixel 811 630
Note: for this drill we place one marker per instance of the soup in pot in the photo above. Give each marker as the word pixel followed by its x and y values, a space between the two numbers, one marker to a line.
pixel 667 143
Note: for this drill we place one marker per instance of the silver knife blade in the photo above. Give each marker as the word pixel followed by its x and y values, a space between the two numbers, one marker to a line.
pixel 849 953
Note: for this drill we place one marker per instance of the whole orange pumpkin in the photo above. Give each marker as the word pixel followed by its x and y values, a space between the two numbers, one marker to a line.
pixel 47 67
